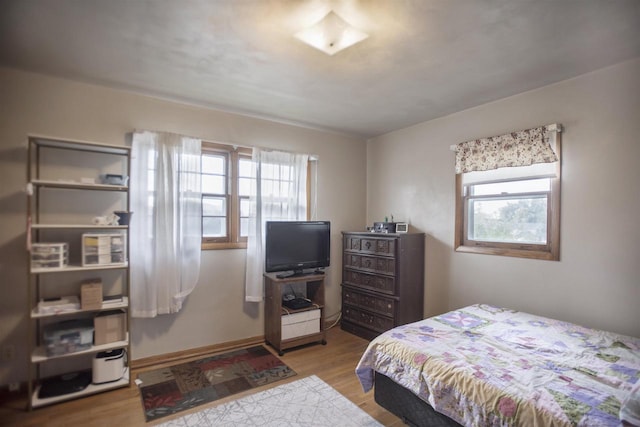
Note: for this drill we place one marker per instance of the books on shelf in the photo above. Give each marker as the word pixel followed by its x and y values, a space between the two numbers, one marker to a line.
pixel 109 300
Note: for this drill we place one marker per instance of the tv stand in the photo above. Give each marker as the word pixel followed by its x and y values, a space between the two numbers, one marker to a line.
pixel 277 316
pixel 298 273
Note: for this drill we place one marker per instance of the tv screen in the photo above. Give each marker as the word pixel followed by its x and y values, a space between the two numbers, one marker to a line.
pixel 297 245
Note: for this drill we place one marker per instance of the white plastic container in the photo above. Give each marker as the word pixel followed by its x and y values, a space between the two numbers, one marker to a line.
pixel 108 366
pixel 49 255
pixel 300 324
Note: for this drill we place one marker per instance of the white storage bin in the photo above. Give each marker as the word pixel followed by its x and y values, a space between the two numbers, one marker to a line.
pixel 103 249
pixel 49 255
pixel 300 324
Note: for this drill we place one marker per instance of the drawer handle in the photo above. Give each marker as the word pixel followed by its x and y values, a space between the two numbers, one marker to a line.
pixel 368 245
pixel 367 263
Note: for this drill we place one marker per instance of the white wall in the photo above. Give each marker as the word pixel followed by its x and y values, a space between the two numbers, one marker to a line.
pixel 215 312
pixel 597 280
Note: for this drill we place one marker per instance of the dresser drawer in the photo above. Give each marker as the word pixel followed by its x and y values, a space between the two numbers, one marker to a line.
pixel 375 303
pixel 372 282
pixel 369 320
pixel 371 263
pixel 377 246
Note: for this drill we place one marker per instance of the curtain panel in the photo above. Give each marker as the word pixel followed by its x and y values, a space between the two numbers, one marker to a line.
pixel 279 193
pixel 166 226
pixel 521 148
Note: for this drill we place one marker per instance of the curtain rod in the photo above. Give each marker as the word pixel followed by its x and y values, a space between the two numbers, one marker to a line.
pixel 554 127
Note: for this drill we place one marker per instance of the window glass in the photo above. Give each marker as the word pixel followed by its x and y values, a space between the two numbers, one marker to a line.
pixel 213 164
pixel 214 206
pixel 213 184
pixel 511 187
pixel 246 176
pixel 214 226
pixel 515 220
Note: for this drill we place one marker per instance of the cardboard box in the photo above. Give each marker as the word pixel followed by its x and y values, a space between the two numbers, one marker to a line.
pixel 110 326
pixel 91 294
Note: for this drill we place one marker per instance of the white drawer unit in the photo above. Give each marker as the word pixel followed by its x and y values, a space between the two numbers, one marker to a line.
pixel 103 249
pixel 49 255
pixel 300 324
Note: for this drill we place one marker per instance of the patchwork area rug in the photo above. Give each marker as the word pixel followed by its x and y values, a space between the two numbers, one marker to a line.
pixel 176 388
pixel 305 402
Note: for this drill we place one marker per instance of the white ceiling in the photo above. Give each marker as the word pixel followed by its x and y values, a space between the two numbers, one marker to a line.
pixel 424 58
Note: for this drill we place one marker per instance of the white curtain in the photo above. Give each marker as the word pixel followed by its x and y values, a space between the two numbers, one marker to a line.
pixel 279 193
pixel 166 223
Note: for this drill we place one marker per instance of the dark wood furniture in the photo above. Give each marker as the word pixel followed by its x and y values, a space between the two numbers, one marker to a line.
pixel 312 287
pixel 382 281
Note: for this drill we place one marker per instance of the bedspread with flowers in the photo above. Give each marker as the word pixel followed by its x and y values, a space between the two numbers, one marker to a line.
pixel 488 366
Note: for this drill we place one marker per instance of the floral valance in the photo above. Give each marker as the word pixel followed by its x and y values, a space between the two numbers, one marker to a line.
pixel 521 148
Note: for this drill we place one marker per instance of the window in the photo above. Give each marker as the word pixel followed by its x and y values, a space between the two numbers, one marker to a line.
pixel 510 211
pixel 226 184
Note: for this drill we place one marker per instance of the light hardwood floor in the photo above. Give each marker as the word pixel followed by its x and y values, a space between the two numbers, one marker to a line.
pixel 334 363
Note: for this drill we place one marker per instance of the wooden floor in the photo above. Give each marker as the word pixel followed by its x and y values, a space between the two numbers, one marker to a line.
pixel 334 363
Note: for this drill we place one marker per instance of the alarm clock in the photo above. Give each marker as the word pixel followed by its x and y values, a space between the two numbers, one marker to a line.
pixel 402 227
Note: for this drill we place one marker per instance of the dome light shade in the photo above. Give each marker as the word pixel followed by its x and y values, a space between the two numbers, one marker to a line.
pixel 331 34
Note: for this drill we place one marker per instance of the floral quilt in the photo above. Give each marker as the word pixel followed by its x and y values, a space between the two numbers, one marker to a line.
pixel 489 366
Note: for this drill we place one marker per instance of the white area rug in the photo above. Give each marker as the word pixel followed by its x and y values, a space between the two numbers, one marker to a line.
pixel 305 402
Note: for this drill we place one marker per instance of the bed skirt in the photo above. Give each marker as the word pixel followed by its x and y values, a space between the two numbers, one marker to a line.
pixel 407 406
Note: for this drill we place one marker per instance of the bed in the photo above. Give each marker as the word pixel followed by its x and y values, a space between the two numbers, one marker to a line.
pixel 487 366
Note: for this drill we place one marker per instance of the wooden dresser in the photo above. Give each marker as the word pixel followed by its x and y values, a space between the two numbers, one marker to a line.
pixel 382 281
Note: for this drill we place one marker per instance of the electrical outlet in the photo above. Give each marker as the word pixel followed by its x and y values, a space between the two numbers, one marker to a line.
pixel 14 386
pixel 8 352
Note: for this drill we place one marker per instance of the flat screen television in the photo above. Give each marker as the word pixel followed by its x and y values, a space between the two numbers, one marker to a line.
pixel 294 246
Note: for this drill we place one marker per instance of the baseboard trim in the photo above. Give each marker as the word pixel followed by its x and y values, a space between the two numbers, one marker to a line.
pixel 193 353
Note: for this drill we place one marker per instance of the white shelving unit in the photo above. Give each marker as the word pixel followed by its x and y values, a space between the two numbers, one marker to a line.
pixel 63 183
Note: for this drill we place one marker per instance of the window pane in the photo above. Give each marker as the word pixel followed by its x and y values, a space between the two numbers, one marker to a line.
pixel 244 227
pixel 268 170
pixel 515 220
pixel 245 168
pixel 510 187
pixel 245 205
pixel 214 164
pixel 214 206
pixel 214 227
pixel 213 184
pixel 244 186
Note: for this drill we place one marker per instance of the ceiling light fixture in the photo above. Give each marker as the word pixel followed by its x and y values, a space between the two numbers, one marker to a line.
pixel 331 34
